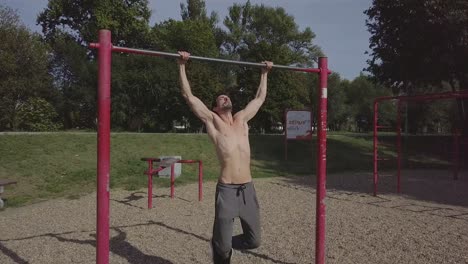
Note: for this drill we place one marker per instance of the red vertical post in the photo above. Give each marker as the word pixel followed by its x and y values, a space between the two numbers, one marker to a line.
pixel 456 153
pixel 376 112
pixel 399 146
pixel 103 155
pixel 285 127
pixel 321 163
pixel 172 180
pixel 200 180
pixel 150 183
pixel 285 148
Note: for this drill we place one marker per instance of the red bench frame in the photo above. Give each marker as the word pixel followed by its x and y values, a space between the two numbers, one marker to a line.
pixel 4 183
pixel 152 170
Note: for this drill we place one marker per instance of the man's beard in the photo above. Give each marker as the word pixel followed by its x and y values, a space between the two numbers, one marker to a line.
pixel 226 107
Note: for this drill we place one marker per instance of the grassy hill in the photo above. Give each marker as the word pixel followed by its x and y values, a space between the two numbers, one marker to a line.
pixel 48 165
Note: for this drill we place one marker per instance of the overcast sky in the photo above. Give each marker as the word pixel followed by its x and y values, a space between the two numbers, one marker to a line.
pixel 339 25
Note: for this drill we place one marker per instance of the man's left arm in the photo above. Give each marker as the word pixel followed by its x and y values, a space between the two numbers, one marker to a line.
pixel 253 106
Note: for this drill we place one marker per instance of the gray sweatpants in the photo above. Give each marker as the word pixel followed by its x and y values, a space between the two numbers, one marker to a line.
pixel 236 200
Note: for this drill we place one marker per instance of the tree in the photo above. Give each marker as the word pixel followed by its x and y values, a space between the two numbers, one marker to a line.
pixel 338 110
pixel 197 34
pixel 420 46
pixel 360 95
pixel 82 19
pixel 68 27
pixel 257 33
pixel 23 68
pixel 75 79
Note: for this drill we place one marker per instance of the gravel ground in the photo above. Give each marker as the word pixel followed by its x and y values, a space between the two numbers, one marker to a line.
pixel 427 224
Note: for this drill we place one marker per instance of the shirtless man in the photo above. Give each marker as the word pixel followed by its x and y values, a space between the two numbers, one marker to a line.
pixel 235 192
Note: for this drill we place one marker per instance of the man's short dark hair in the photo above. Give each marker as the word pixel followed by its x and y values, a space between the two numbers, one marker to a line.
pixel 214 103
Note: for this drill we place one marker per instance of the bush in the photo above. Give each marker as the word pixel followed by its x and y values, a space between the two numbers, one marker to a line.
pixel 36 114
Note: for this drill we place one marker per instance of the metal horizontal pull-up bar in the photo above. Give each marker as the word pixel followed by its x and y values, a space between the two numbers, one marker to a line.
pixel 175 55
pixel 105 49
pixel 425 97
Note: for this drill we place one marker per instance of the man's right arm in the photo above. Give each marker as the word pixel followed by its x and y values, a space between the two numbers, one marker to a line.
pixel 197 106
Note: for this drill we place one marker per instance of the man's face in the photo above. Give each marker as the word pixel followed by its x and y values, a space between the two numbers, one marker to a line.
pixel 223 104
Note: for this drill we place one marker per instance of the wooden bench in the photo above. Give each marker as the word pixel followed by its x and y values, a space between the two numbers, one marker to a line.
pixel 166 163
pixel 2 184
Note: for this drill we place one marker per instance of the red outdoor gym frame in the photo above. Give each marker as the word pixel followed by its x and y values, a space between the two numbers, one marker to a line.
pixel 423 97
pixel 155 169
pixel 105 49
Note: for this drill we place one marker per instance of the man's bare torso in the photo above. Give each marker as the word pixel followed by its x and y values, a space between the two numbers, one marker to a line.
pixel 232 148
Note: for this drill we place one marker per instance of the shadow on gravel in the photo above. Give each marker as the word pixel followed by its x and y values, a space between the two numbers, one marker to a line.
pixel 120 247
pixel 258 255
pixel 128 201
pixel 12 255
pixel 436 186
pixel 132 198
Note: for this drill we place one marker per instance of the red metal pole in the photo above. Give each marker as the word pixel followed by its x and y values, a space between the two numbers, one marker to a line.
pixel 285 148
pixel 399 146
pixel 424 97
pixel 285 135
pixel 150 184
pixel 172 180
pixel 321 163
pixel 456 154
pixel 200 180
pixel 103 155
pixel 376 111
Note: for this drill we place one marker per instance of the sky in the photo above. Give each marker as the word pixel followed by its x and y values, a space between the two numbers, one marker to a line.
pixel 339 25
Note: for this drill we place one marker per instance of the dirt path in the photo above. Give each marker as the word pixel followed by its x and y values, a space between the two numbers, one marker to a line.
pixel 360 228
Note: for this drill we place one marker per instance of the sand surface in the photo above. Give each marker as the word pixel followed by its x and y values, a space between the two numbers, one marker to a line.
pixel 428 223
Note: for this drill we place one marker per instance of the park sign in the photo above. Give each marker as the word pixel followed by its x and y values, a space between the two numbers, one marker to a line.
pixel 298 127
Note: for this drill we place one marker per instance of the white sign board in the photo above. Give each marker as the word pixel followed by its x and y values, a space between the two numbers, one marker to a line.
pixel 298 125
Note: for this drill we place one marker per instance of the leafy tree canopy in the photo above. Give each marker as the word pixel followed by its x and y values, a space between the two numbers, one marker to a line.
pixel 23 67
pixel 415 43
pixel 128 20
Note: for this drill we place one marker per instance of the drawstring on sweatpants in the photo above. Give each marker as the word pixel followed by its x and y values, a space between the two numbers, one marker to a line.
pixel 241 189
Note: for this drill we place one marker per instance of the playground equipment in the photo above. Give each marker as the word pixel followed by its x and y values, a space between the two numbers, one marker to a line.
pixel 105 49
pixel 400 99
pixel 170 162
pixel 4 183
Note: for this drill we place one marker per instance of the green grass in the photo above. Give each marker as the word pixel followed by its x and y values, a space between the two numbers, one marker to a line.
pixel 54 165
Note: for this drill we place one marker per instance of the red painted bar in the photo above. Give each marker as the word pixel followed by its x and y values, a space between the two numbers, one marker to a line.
pixel 150 184
pixel 456 153
pixel 424 97
pixel 376 112
pixel 172 181
pixel 285 127
pixel 321 163
pixel 399 146
pixel 200 180
pixel 103 152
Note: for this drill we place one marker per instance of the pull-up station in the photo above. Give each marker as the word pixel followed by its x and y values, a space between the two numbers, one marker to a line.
pixel 409 98
pixel 105 49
